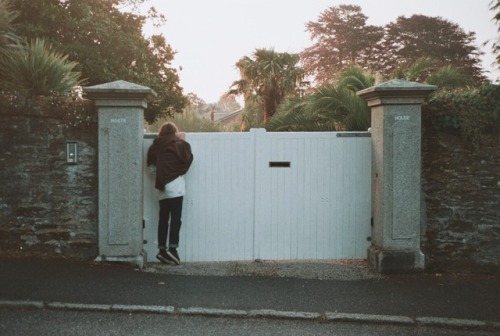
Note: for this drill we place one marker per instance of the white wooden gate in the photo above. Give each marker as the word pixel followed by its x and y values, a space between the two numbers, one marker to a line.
pixel 278 196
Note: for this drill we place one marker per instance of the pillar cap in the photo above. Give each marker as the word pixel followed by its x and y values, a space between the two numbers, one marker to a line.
pixel 397 88
pixel 118 89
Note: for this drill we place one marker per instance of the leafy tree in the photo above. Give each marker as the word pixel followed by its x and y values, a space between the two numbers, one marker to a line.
pixel 108 44
pixel 495 6
pixel 196 103
pixel 192 119
pixel 410 39
pixel 266 79
pixel 253 116
pixel 341 38
pixel 227 103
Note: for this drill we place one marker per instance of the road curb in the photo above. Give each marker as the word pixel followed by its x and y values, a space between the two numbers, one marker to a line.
pixel 370 318
pixel 260 313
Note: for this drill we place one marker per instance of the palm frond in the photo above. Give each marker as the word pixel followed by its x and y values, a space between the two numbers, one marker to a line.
pixel 295 115
pixel 417 71
pixel 359 117
pixel 355 79
pixel 348 110
pixel 7 18
pixel 37 70
pixel 449 77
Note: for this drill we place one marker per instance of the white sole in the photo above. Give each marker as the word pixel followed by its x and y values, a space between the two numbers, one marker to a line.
pixel 174 259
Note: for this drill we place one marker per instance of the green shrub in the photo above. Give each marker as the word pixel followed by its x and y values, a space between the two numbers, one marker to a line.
pixel 69 109
pixel 470 112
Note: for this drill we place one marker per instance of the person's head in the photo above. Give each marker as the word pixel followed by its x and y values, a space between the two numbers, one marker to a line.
pixel 168 128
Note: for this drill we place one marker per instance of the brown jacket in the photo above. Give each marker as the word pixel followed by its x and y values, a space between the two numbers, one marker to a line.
pixel 172 157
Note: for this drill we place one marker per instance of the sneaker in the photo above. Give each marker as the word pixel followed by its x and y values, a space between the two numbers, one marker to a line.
pixel 163 257
pixel 173 256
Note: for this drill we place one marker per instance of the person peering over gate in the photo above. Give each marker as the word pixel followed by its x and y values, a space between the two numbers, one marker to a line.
pixel 169 157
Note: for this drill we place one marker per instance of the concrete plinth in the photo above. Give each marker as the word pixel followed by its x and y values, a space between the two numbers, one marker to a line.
pixel 395 261
pixel 138 260
pixel 121 129
pixel 396 168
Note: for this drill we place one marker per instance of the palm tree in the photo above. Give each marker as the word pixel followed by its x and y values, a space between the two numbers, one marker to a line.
pixel 293 116
pixel 425 70
pixel 341 106
pixel 338 107
pixel 267 79
pixel 330 107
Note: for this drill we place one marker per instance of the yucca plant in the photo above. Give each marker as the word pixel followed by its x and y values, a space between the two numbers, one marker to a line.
pixel 37 70
pixel 7 17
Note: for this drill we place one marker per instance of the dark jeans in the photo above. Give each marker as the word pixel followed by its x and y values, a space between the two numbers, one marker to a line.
pixel 170 208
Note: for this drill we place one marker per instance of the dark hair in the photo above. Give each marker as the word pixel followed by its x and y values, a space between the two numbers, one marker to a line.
pixel 168 128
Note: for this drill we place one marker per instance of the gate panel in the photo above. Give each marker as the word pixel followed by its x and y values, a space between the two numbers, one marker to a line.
pixel 218 209
pixel 271 196
pixel 320 206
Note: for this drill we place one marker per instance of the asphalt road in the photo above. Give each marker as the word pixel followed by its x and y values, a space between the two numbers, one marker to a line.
pixel 75 323
pixel 463 297
pixel 46 297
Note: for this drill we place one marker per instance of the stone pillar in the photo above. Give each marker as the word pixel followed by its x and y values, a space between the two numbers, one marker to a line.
pixel 396 168
pixel 121 129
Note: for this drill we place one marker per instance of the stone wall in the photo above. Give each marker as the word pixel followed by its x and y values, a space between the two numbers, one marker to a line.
pixel 47 207
pixel 461 184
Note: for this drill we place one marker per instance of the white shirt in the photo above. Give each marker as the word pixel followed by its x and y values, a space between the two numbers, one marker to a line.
pixel 176 188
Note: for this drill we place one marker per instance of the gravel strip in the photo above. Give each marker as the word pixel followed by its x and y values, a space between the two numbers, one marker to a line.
pixel 305 269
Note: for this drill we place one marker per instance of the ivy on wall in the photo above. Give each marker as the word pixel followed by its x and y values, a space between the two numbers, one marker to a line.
pixel 473 113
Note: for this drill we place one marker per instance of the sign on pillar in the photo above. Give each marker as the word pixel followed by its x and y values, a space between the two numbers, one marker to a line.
pixel 396 168
pixel 121 130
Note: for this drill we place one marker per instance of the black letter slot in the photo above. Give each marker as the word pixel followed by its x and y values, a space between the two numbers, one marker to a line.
pixel 279 164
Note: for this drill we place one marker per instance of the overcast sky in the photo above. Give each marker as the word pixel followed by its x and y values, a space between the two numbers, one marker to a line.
pixel 211 36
